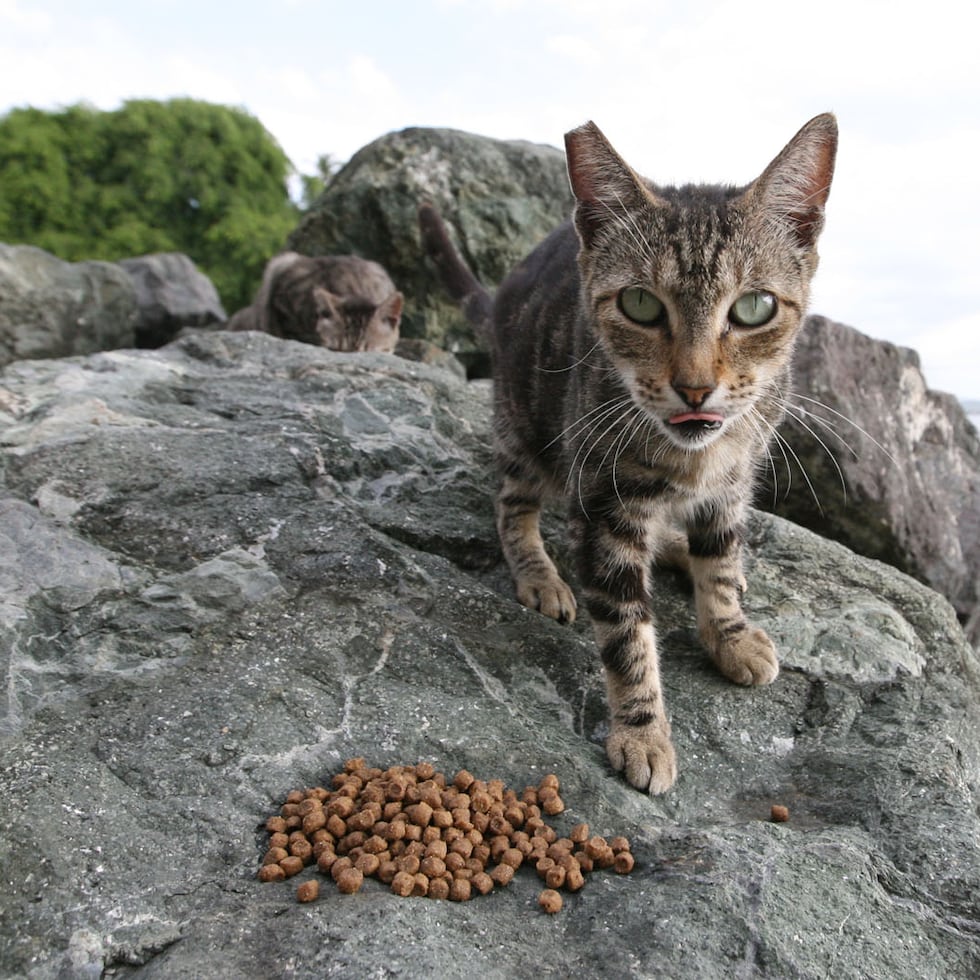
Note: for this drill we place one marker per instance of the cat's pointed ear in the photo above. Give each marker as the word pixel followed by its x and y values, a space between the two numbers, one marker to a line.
pixel 604 185
pixel 793 189
pixel 390 310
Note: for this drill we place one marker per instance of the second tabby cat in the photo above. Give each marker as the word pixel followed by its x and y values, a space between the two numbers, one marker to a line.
pixel 641 358
pixel 342 302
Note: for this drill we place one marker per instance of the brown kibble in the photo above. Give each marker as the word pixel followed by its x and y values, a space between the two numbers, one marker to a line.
pixel 274 855
pixel 362 820
pixel 482 882
pixel 460 890
pixel 439 888
pixel 778 813
pixel 623 863
pixel 555 877
pixel 271 872
pixel 368 864
pixel 340 866
pixel 336 826
pixel 550 901
pixel 502 875
pixel 309 804
pixel 342 806
pixel 309 891
pixel 414 830
pixel 350 881
pixel 420 814
pixel 544 865
pixel 291 865
pixel 432 866
pixel 553 806
pixel 403 884
pixel 275 825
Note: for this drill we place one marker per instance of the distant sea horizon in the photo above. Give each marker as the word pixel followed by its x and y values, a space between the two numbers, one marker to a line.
pixel 972 406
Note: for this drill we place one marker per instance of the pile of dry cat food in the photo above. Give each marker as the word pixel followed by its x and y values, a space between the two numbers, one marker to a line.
pixel 425 835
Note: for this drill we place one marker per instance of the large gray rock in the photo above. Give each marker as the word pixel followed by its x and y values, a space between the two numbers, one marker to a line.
pixel 172 293
pixel 892 469
pixel 500 198
pixel 51 308
pixel 229 564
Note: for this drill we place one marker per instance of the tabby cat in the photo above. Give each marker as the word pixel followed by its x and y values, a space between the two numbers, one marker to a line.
pixel 342 302
pixel 641 358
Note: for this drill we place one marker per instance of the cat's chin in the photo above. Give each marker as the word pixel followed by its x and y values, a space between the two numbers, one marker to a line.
pixel 694 430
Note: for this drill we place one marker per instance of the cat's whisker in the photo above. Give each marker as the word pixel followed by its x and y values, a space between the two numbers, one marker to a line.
pixel 612 408
pixel 753 417
pixel 784 444
pixel 799 416
pixel 583 420
pixel 630 407
pixel 843 418
pixel 578 363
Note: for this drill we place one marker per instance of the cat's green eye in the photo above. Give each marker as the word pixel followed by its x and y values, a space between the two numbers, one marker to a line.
pixel 753 309
pixel 642 307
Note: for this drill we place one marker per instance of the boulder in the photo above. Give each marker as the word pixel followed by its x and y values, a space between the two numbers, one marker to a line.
pixel 876 460
pixel 51 308
pixel 230 564
pixel 500 198
pixel 171 293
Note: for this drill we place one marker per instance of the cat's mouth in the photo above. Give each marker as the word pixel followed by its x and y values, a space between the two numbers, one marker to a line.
pixel 692 426
pixel 697 420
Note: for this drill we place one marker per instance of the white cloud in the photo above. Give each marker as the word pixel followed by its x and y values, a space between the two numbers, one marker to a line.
pixel 577 49
pixel 17 15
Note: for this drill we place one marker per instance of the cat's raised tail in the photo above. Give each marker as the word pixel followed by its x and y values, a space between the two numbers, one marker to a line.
pixel 473 297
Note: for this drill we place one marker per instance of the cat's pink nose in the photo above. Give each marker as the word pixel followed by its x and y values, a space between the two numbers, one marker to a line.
pixel 695 397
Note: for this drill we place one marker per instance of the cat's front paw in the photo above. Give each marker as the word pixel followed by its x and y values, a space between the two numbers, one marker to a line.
pixel 645 756
pixel 549 595
pixel 747 657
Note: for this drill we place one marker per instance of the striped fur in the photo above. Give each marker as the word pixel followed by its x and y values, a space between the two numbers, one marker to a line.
pixel 653 430
pixel 342 302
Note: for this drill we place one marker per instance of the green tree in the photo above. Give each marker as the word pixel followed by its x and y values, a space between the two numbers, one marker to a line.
pixel 181 175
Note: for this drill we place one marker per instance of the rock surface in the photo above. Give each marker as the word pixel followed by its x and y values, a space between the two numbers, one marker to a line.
pixel 230 564
pixel 171 293
pixel 51 308
pixel 500 198
pixel 892 468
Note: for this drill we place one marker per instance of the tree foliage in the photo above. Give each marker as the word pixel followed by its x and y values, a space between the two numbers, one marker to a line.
pixel 181 175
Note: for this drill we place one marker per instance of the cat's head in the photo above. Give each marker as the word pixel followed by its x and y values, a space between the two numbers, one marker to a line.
pixel 353 323
pixel 697 293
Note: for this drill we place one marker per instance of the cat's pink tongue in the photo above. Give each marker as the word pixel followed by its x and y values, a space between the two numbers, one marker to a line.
pixel 695 417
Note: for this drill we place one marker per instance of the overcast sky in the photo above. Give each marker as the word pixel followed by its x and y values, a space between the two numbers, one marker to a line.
pixel 684 90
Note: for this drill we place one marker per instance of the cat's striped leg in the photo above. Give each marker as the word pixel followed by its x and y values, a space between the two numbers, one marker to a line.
pixel 742 652
pixel 614 564
pixel 538 584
